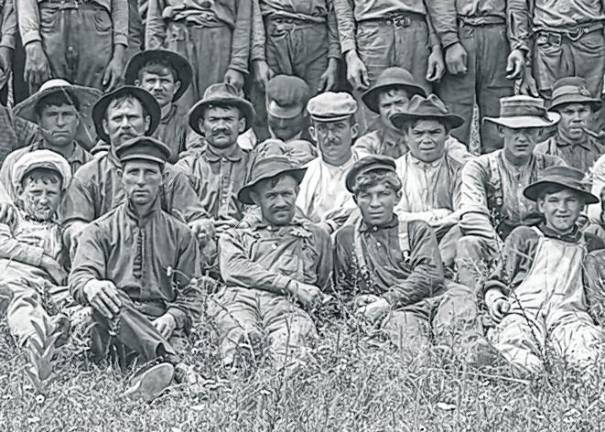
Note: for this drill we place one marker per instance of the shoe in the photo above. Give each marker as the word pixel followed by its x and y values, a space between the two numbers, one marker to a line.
pixel 186 374
pixel 150 383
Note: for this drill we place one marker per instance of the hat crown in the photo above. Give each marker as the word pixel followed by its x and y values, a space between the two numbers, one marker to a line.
pixel 428 106
pixel 563 172
pixel 269 166
pixel 221 91
pixel 394 74
pixel 516 106
pixel 143 147
pixel 330 105
pixel 287 90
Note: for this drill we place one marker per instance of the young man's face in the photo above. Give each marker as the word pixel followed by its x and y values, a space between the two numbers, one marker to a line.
pixel 142 181
pixel 286 129
pixel 426 140
pixel 377 203
pixel 277 201
pixel 222 126
pixel 125 120
pixel 335 140
pixel 561 209
pixel 161 84
pixel 40 195
pixel 390 102
pixel 59 124
pixel 575 118
pixel 520 143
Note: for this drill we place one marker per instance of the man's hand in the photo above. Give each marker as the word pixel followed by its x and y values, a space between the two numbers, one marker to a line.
pixel 113 71
pixel 527 84
pixel 37 69
pixel 327 82
pixel 308 295
pixel 364 299
pixel 8 213
pixel 6 64
pixel 515 64
pixel 262 73
pixel 103 296
pixel 357 73
pixel 497 304
pixel 234 78
pixel 54 269
pixel 166 325
pixel 435 67
pixel 374 311
pixel 455 59
pixel 203 229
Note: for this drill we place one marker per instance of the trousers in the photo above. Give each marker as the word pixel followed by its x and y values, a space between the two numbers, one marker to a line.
pixel 474 255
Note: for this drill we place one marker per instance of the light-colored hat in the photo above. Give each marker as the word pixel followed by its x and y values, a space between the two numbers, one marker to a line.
pixel 330 106
pixel 37 159
pixel 518 112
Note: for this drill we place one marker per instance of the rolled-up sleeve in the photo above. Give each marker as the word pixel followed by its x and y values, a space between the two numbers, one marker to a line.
pixel 473 207
pixel 333 42
pixel 443 16
pixel 518 24
pixel 9 25
pixel 257 49
pixel 89 263
pixel 119 17
pixel 346 25
pixel 240 45
pixel 28 17
pixel 155 29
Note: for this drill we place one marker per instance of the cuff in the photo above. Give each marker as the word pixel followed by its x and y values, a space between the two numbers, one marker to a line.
pixel 120 39
pixel 334 51
pixel 281 282
pixel 347 46
pixel 258 54
pixel 31 36
pixel 239 68
pixel 449 38
pixel 179 317
pixel 8 41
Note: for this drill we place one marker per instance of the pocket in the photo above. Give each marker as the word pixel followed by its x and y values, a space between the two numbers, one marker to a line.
pixel 102 20
pixel 592 42
pixel 48 19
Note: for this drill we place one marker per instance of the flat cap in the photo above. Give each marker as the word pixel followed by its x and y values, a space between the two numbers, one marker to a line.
pixel 143 148
pixel 287 96
pixel 41 159
pixel 368 164
pixel 330 106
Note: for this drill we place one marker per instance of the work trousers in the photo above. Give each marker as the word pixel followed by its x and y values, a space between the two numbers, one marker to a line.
pixel 78 41
pixel 483 84
pixel 474 256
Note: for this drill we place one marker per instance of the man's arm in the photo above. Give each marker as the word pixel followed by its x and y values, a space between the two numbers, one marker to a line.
pixel 333 42
pixel 119 18
pixel 443 16
pixel 28 16
pixel 89 263
pixel 257 49
pixel 240 45
pixel 155 29
pixel 79 202
pixel 182 199
pixel 473 208
pixel 14 250
pixel 518 13
pixel 9 25
pixel 323 245
pixel 345 19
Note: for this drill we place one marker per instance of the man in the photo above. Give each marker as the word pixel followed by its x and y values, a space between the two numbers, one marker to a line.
pixel 390 94
pixel 221 168
pixel 272 270
pixel 375 35
pixel 492 202
pixel 390 270
pixel 573 142
pixel 136 268
pixel 167 76
pixel 430 177
pixel 323 197
pixel 60 110
pixel 213 35
pixel 8 33
pixel 96 189
pixel 538 293
pixel 483 54
pixel 82 42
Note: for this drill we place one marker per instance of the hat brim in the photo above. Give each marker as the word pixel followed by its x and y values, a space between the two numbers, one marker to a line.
pixel 143 157
pixel 197 111
pixel 147 100
pixel 452 120
pixel 570 99
pixel 532 192
pixel 285 113
pixel 179 63
pixel 370 97
pixel 86 98
pixel 521 122
pixel 244 193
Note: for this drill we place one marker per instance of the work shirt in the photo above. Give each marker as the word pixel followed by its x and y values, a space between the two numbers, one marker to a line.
pixel 555 14
pixel 580 155
pixel 490 178
pixel 173 131
pixel 15 132
pixel 96 189
pixel 151 258
pixel 269 258
pixel 217 179
pixel 402 278
pixel 28 14
pixel 8 31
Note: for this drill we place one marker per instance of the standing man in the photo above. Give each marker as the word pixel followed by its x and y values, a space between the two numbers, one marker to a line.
pixel 572 143
pixel 492 203
pixel 167 76
pixel 8 35
pixel 82 42
pixel 483 54
pixel 213 35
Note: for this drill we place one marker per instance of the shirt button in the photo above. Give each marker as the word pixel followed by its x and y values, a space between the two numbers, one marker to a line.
pixel 275 246
pixel 378 244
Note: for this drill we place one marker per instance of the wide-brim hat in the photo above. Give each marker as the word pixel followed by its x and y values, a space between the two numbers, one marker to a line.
pixel 83 97
pixel 430 107
pixel 221 94
pixel 184 72
pixel 391 78
pixel 267 168
pixel 519 112
pixel 570 90
pixel 564 176
pixel 150 105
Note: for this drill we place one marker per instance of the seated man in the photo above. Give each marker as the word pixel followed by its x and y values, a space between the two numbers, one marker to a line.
pixel 270 270
pixel 537 294
pixel 390 269
pixel 430 176
pixel 31 250
pixel 135 267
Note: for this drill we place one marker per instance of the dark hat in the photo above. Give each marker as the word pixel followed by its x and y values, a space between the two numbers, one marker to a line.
pixel 267 168
pixel 420 107
pixel 150 105
pixel 518 112
pixel 181 66
pixel 366 165
pixel 145 148
pixel 572 90
pixel 220 94
pixel 287 96
pixel 567 177
pixel 392 77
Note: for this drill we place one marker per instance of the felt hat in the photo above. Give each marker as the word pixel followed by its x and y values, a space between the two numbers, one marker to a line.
pixel 393 77
pixel 420 107
pixel 331 106
pixel 41 159
pixel 287 96
pixel 184 72
pixel 572 90
pixel 368 164
pixel 143 148
pixel 220 94
pixel 518 112
pixel 564 176
pixel 150 105
pixel 267 168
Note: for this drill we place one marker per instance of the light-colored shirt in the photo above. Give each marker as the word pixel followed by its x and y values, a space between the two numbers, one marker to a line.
pixel 8 31
pixel 568 13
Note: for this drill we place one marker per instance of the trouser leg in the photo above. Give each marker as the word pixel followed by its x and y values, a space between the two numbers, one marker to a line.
pixel 54 29
pixel 474 255
pixel 410 331
pixel 448 244
pixel 577 340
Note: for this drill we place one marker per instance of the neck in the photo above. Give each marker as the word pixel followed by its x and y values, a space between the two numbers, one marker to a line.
pixel 66 151
pixel 573 140
pixel 166 110
pixel 518 161
pixel 142 210
pixel 568 231
pixel 220 151
pixel 340 161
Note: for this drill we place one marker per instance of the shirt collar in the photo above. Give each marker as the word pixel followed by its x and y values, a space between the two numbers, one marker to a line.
pixel 574 236
pixel 132 214
pixel 563 141
pixel 234 154
pixel 77 155
pixel 391 224
pixel 434 164
pixel 344 167
pixel 297 221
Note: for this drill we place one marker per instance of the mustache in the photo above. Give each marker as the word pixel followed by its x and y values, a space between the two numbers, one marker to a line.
pixel 223 131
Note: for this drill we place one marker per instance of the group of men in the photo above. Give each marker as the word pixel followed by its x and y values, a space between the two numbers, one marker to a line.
pixel 149 186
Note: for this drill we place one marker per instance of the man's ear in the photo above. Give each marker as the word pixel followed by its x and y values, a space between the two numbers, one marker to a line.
pixel 540 203
pixel 313 133
pixel 137 82
pixel 398 195
pixel 500 130
pixel 241 127
pixel 105 128
pixel 177 86
pixel 354 130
